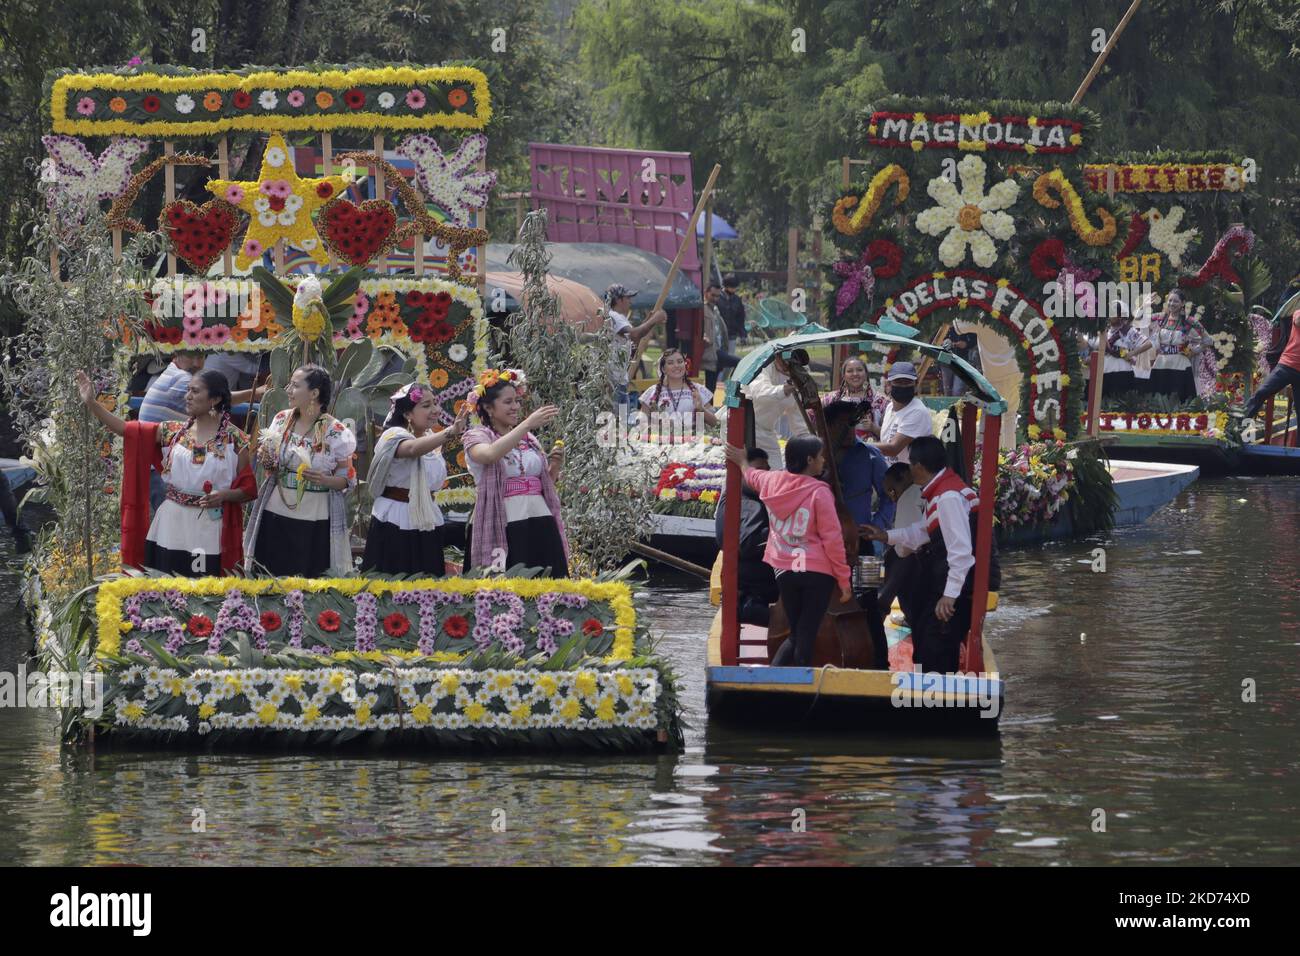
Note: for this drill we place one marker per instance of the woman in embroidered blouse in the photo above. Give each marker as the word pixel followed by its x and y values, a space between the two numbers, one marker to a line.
pixel 677 396
pixel 1179 339
pixel 516 509
pixel 855 387
pixel 205 467
pixel 405 533
pixel 299 524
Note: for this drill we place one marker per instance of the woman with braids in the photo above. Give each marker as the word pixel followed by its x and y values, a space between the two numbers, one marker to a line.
pixel 516 508
pixel 204 462
pixel 298 525
pixel 1179 339
pixel 405 533
pixel 677 396
pixel 854 387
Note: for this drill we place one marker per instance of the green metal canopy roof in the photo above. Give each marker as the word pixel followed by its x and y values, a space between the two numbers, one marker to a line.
pixel 982 391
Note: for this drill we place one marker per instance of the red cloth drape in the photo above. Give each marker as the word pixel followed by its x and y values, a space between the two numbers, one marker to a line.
pixel 232 523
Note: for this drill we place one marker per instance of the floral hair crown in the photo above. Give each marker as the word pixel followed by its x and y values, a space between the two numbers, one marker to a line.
pixel 414 391
pixel 489 377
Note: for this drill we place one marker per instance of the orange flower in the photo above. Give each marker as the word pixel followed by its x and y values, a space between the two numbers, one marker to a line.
pixel 324 99
pixel 438 378
pixel 117 104
pixel 212 102
pixel 238 333
pixel 457 98
pixel 460 458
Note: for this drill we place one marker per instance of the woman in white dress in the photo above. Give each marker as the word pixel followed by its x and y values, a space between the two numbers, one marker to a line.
pixel 777 412
pixel 406 524
pixel 204 463
pixel 676 400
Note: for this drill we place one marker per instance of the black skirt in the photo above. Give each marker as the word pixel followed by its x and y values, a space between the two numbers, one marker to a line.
pixel 287 547
pixel 534 543
pixel 390 550
pixel 1174 381
pixel 1117 383
pixel 180 563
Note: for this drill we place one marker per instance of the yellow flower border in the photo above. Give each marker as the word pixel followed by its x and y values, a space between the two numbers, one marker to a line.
pixel 217 81
pixel 108 602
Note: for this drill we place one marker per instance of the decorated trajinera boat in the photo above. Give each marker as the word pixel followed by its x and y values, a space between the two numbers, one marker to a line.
pixel 498 657
pixel 847 685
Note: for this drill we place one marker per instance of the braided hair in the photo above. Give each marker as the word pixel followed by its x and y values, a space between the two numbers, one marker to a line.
pixel 663 374
pixel 838 394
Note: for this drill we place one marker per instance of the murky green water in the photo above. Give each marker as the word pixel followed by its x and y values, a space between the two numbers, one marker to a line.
pixel 1144 720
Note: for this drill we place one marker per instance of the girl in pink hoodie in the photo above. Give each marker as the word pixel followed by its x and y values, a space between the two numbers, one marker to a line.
pixel 804 546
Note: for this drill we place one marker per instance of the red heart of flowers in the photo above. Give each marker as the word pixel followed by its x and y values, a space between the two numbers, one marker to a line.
pixel 199 234
pixel 357 234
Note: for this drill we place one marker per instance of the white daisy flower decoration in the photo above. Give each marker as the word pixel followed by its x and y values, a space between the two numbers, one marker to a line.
pixel 268 99
pixel 184 103
pixel 971 218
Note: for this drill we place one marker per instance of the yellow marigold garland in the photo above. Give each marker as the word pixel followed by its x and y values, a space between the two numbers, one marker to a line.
pixel 1055 181
pixel 851 225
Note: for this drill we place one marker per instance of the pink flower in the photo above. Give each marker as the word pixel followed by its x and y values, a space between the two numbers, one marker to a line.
pixel 214 294
pixel 360 306
pixel 207 336
pixel 415 99
pixel 296 98
pixel 276 188
pixel 234 194
pixel 85 106
pixel 252 248
pixel 220 334
pixel 192 323
pixel 194 304
pixel 191 338
pixel 416 395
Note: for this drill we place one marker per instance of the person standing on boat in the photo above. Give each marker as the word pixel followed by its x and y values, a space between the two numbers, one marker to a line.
pixel 1285 373
pixel 1179 339
pixel 861 467
pixel 900 560
pixel 685 406
pixel 204 462
pixel 1123 345
pixel 298 525
pixel 776 405
pixel 517 516
pixel 405 535
pixel 717 357
pixel 805 543
pixel 625 336
pixel 755 584
pixel 944 545
pixel 906 419
pixel 856 387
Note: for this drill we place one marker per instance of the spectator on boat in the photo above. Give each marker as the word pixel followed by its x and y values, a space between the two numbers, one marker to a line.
pixel 732 308
pixel 900 560
pixel 944 545
pixel 8 504
pixel 164 401
pixel 906 418
pixel 805 543
pixel 717 357
pixel 1285 373
pixel 517 516
pixel 1123 344
pixel 966 346
pixel 1179 339
pixel 676 400
pixel 756 582
pixel 298 526
pixel 205 465
pixel 861 467
pixel 855 387
pixel 776 405
pixel 625 336
pixel 406 524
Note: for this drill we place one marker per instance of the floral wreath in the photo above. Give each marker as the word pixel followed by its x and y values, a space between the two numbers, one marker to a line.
pixel 411 390
pixel 489 377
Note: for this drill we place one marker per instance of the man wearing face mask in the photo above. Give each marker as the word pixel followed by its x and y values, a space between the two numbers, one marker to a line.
pixel 906 417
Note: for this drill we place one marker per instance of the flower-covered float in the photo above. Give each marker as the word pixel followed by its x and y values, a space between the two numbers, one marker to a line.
pixel 485 659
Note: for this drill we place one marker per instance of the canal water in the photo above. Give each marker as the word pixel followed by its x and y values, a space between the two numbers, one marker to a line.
pixel 1130 735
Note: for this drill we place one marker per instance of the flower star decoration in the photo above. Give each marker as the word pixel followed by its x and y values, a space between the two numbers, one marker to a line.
pixel 970 217
pixel 279 205
pixel 74 171
pixel 455 184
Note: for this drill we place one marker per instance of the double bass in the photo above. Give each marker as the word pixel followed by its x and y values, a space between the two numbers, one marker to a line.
pixel 845 636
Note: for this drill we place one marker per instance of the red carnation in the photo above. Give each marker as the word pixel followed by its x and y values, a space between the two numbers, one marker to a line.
pixel 592 627
pixel 200 625
pixel 354 98
pixel 456 626
pixel 328 621
pixel 396 624
pixel 151 104
pixel 207 487
pixel 270 622
pixel 442 332
pixel 324 190
pixel 443 298
pixel 243 99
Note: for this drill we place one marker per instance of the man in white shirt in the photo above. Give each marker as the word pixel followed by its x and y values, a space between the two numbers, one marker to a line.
pixel 943 541
pixel 906 418
pixel 625 335
pixel 900 560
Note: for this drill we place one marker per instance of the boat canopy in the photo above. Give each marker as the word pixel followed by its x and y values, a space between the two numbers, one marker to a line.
pixel 981 391
pixel 598 265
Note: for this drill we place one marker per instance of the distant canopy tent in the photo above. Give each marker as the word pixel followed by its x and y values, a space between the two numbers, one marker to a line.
pixel 721 228
pixel 598 265
pixel 578 304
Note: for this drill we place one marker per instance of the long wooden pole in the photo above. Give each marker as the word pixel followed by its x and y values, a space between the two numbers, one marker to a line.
pixel 677 261
pixel 1105 52
pixel 663 557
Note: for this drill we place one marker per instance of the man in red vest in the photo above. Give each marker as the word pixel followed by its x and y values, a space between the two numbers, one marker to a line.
pixel 1285 373
pixel 944 543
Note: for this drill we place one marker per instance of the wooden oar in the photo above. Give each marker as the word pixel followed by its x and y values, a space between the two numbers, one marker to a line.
pixel 677 259
pixel 671 560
